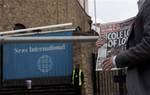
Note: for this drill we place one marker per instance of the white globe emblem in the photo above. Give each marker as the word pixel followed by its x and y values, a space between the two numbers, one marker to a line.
pixel 45 63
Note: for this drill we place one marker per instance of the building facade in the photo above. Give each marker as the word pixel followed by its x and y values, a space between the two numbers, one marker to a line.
pixel 35 13
pixel 50 12
pixel 84 4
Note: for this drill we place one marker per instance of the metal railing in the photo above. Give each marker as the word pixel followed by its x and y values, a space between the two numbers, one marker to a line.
pixel 35 28
pixel 47 39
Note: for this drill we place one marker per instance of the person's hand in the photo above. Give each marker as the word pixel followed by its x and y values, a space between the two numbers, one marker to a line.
pixel 107 64
pixel 99 43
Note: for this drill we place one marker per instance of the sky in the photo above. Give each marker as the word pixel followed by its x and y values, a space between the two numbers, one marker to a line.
pixel 113 10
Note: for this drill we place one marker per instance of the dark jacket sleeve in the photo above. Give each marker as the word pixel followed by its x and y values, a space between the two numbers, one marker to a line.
pixel 140 53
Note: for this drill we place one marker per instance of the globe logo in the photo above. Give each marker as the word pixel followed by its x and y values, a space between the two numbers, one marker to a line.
pixel 45 63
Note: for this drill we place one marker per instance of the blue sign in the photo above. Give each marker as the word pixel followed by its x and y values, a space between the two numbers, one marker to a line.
pixel 37 60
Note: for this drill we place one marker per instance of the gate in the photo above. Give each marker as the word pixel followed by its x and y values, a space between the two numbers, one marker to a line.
pixel 109 83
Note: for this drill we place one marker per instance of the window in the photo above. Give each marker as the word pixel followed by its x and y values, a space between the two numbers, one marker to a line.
pixel 19 26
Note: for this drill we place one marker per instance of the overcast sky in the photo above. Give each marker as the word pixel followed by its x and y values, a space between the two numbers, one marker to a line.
pixel 113 10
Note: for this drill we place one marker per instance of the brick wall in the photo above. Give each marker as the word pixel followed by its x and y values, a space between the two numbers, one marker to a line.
pixel 34 13
pixel 84 4
pixel 86 54
pixel 1 6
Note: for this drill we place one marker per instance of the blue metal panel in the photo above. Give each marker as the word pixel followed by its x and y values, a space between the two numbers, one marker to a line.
pixel 36 60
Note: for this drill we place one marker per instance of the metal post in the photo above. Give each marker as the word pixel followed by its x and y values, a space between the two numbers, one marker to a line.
pixel 95 15
pixel 33 33
pixel 1 64
pixel 35 28
pixel 4 40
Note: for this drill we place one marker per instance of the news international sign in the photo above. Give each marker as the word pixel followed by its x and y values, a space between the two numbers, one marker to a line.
pixel 38 60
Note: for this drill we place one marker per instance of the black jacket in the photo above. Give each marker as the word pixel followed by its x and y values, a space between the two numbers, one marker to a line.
pixel 137 55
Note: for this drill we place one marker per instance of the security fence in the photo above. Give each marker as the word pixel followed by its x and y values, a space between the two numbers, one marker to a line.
pixel 109 83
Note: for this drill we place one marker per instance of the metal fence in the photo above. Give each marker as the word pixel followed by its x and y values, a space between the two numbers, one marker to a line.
pixel 111 82
pixel 108 83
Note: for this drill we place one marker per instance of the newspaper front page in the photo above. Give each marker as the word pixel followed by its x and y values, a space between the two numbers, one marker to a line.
pixel 114 36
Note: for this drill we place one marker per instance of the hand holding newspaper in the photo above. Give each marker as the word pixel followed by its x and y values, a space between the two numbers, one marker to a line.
pixel 101 56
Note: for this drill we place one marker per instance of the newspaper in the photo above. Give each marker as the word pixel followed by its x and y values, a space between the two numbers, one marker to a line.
pixel 114 35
